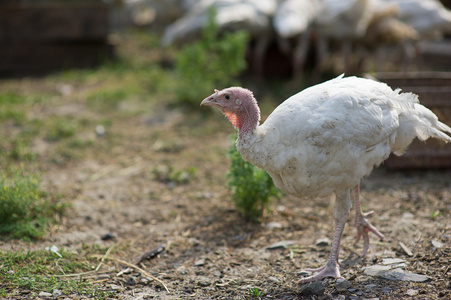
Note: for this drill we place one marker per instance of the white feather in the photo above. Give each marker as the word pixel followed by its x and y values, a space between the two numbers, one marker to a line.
pixel 293 17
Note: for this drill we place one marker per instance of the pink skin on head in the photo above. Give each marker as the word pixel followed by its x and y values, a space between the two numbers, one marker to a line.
pixel 238 105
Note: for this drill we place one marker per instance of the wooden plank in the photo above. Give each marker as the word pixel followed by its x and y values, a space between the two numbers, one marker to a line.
pixel 38 59
pixel 25 22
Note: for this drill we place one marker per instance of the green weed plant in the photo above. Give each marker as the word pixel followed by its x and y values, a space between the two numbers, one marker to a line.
pixel 255 292
pixel 253 189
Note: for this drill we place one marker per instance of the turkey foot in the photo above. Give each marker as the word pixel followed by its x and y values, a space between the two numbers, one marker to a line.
pixel 331 269
pixel 362 224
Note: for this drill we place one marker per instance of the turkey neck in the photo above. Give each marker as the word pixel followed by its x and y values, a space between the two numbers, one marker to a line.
pixel 250 133
pixel 249 118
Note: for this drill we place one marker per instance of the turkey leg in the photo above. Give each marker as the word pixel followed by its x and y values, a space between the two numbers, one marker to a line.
pixel 332 269
pixel 362 224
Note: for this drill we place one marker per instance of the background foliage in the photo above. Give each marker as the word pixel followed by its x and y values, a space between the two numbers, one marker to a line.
pixel 213 61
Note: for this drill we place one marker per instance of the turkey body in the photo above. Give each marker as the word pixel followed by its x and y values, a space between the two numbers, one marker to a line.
pixel 325 139
pixel 329 136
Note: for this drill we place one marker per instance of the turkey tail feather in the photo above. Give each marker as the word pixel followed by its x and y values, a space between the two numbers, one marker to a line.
pixel 438 132
pixel 415 120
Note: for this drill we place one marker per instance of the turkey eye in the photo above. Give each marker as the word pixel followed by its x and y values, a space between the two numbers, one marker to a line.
pixel 227 97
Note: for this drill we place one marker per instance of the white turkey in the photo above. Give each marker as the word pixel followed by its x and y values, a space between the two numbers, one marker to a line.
pixel 325 139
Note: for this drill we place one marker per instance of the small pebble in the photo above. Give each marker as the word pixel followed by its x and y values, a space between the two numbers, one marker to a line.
pixel 273 279
pixel 392 261
pixel 412 292
pixel 370 287
pixel 375 270
pixel 323 242
pixel 437 244
pixel 107 237
pixel 115 287
pixel 312 289
pixel 65 89
pixel 342 285
pixel 304 273
pixel 131 280
pixel 103 276
pixel 280 245
pixel 45 295
pixel 144 281
pixel 57 293
pixel 273 225
pixel 204 281
pixel 199 262
pixel 100 131
pixel 395 274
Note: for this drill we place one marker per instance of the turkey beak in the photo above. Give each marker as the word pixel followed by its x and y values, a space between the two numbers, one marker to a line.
pixel 210 100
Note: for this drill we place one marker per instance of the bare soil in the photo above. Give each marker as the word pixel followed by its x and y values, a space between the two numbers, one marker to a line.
pixel 121 187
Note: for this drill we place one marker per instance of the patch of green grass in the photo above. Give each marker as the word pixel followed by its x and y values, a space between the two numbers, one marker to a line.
pixel 20 150
pixel 252 188
pixel 255 292
pixel 44 271
pixel 79 144
pixel 70 150
pixel 434 214
pixel 167 173
pixel 183 176
pixel 11 98
pixel 14 107
pixel 26 210
pixel 9 107
pixel 16 148
pixel 11 114
pixel 108 97
pixel 59 128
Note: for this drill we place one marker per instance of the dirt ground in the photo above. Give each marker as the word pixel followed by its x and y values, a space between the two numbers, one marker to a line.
pixel 122 188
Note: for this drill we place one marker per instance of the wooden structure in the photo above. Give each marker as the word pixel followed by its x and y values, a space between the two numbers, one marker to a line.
pixel 44 36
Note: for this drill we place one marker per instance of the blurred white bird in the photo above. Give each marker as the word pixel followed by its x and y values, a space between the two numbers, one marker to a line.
pixel 342 22
pixel 253 16
pixel 372 24
pixel 293 19
pixel 428 17
pixel 387 33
